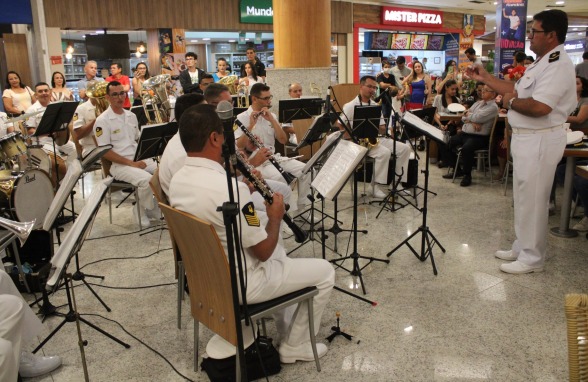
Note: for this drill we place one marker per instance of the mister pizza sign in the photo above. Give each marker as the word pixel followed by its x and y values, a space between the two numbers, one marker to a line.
pixel 406 17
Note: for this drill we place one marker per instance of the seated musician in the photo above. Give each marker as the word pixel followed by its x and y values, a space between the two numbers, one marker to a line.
pixel 43 95
pixel 5 127
pixel 83 123
pixel 384 149
pixel 473 135
pixel 119 127
pixel 269 273
pixel 295 92
pixel 263 123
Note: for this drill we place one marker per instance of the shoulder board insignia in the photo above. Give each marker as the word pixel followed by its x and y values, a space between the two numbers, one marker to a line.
pixel 554 56
pixel 250 215
pixel 75 117
pixel 98 131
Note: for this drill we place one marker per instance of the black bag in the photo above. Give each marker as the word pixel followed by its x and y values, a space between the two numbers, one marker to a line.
pixel 223 370
pixel 412 178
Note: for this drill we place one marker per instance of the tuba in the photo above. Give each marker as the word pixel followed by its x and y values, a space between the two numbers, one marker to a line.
pixel 97 91
pixel 231 82
pixel 155 99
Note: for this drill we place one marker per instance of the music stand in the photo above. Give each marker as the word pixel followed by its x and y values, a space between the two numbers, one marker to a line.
pixel 55 119
pixel 366 122
pixel 428 240
pixel 71 245
pixel 154 139
pixel 141 115
pixel 299 108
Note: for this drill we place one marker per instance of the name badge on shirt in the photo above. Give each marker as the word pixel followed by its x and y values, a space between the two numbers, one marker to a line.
pixel 250 215
pixel 116 131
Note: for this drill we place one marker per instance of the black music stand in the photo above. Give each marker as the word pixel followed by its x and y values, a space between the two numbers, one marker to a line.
pixel 299 108
pixel 154 139
pixel 141 115
pixel 428 240
pixel 55 119
pixel 71 245
pixel 366 122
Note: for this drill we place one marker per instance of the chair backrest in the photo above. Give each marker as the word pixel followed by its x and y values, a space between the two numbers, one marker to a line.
pixel 508 136
pixel 155 185
pixel 207 270
pixel 343 93
pixel 491 139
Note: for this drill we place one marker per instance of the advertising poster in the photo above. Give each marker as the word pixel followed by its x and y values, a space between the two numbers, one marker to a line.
pixel 400 41
pixel 435 43
pixel 511 17
pixel 165 41
pixel 418 41
pixel 380 41
pixel 466 40
pixel 451 47
pixel 179 37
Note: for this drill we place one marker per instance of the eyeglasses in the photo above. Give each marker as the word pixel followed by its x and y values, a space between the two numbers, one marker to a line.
pixel 266 98
pixel 532 32
pixel 120 94
pixel 371 86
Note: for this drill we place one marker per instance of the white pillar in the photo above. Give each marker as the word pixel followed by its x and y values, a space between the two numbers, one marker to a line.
pixel 40 61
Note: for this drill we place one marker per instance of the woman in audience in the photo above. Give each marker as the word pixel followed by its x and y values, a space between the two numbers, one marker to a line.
pixel 141 74
pixel 221 64
pixel 446 96
pixel 450 73
pixel 59 91
pixel 249 77
pixel 17 97
pixel 579 117
pixel 420 86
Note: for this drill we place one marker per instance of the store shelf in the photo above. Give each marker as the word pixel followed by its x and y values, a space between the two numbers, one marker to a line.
pixel 74 67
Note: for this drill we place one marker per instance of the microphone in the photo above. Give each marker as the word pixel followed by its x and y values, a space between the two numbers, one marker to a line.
pixel 225 112
pixel 378 98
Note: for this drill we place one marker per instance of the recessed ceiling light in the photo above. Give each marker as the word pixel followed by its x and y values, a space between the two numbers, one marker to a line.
pixel 231 40
pixel 193 40
pixel 560 2
pixel 574 29
pixel 496 2
pixel 581 33
pixel 206 39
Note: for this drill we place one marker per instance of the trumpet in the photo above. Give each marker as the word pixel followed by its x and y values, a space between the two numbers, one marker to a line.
pixel 287 176
pixel 262 187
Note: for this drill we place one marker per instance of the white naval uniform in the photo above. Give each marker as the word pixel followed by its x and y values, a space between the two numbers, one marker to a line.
pixel 18 325
pixel 276 276
pixel 85 113
pixel 382 152
pixel 122 131
pixel 536 155
pixel 173 159
pixel 69 148
pixel 263 128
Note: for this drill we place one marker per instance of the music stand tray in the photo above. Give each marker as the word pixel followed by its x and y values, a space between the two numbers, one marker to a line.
pixel 299 108
pixel 56 117
pixel 154 139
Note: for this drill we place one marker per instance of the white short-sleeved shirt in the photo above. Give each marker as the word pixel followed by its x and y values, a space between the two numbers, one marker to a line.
pixel 515 21
pixel 189 193
pixel 550 80
pixel 349 110
pixel 119 130
pixel 85 113
pixel 263 128
pixel 172 160
pixel 35 120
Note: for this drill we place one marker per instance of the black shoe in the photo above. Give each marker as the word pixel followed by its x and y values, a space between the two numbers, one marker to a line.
pixel 450 175
pixel 466 181
pixel 441 164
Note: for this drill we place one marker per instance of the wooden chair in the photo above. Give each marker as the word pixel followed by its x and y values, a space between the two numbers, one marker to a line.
pixel 576 308
pixel 207 270
pixel 155 185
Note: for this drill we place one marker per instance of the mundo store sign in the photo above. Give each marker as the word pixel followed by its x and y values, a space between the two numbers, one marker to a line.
pixel 256 12
pixel 406 17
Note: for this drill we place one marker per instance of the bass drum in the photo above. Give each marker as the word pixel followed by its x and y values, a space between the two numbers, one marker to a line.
pixel 25 196
pixel 45 161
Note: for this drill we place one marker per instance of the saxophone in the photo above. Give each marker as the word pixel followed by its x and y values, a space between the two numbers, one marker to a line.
pixel 287 176
pixel 263 188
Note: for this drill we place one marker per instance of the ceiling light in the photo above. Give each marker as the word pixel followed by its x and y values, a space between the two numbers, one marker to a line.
pixel 193 40
pixel 574 29
pixel 529 16
pixel 232 40
pixel 138 54
pixel 141 47
pixel 560 2
pixel 206 39
pixel 581 33
pixel 496 2
pixel 68 56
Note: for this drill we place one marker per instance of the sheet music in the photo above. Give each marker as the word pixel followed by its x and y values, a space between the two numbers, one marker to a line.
pixel 331 139
pixel 426 128
pixel 338 168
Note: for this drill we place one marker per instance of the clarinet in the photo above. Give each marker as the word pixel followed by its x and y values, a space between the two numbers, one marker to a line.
pixel 262 187
pixel 287 176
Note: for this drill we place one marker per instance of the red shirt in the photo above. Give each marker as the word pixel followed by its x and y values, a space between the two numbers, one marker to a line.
pixel 124 80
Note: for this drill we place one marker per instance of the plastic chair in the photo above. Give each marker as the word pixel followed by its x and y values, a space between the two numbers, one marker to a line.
pixel 211 296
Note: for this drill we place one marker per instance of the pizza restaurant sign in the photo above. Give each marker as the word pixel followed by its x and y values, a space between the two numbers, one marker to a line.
pixel 407 17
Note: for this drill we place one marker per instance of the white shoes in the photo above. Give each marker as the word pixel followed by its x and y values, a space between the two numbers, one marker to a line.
pixel 154 213
pixel 379 194
pixel 145 222
pixel 517 268
pixel 32 365
pixel 303 352
pixel 582 225
pixel 506 255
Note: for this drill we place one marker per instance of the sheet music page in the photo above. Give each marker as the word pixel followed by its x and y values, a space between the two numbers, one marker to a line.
pixel 338 168
pixel 427 128
pixel 331 139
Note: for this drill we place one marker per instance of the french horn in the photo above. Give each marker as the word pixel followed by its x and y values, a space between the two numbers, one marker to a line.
pixel 231 82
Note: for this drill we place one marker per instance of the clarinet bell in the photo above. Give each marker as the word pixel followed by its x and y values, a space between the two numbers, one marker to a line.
pixel 290 179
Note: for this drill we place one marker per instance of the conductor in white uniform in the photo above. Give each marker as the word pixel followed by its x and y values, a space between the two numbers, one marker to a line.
pixel 539 104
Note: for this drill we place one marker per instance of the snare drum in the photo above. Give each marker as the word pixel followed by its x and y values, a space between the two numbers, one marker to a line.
pixel 42 160
pixel 25 196
pixel 13 145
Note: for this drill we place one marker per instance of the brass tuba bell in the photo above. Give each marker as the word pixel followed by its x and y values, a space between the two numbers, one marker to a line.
pixel 230 82
pixel 156 100
pixel 96 90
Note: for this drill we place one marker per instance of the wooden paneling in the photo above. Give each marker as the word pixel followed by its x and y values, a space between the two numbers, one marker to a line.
pixel 16 57
pixel 146 14
pixel 341 17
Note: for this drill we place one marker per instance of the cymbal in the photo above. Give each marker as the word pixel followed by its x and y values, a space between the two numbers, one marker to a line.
pixel 24 116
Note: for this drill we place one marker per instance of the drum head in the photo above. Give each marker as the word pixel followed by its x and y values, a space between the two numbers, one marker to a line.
pixel 40 159
pixel 456 108
pixel 32 196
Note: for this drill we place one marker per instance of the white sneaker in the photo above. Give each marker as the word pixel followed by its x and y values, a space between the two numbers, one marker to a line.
pixel 379 194
pixel 582 225
pixel 154 213
pixel 32 365
pixel 303 352
pixel 145 222
pixel 506 255
pixel 517 268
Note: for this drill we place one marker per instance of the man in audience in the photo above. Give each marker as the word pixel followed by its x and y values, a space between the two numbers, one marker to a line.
pixel 116 75
pixel 473 135
pixel 18 326
pixel 383 150
pixel 206 80
pixel 120 128
pixel 90 70
pixel 270 273
pixel 191 77
pixel 400 72
pixel 259 66
pixel 582 67
pixel 471 55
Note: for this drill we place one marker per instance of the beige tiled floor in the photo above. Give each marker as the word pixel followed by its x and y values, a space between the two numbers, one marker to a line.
pixel 469 323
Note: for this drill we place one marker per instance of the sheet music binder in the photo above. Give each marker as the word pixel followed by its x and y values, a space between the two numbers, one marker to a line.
pixel 153 140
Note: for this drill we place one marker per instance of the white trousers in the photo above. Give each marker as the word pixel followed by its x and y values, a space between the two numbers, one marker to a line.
pixel 280 276
pixel 139 178
pixel 295 168
pixel 403 152
pixel 282 188
pixel 69 149
pixel 18 325
pixel 535 158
